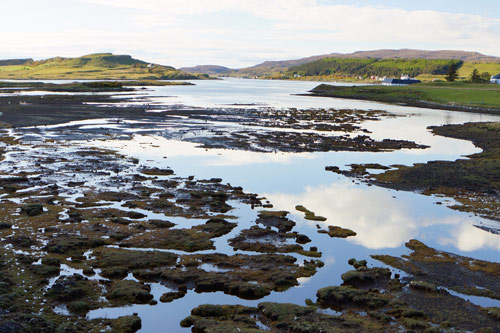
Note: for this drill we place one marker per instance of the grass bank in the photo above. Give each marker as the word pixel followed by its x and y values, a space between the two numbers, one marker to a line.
pixel 98 86
pixel 451 96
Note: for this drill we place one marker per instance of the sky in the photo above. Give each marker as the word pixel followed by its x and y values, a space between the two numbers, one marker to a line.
pixel 240 33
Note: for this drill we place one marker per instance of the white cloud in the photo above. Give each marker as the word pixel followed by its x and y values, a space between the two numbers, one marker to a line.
pixel 189 31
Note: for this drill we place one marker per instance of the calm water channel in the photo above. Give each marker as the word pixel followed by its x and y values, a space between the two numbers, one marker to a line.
pixel 383 219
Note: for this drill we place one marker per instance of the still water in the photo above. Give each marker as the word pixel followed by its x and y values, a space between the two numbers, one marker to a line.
pixel 383 219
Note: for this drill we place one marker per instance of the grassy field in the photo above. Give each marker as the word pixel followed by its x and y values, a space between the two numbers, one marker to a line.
pixel 466 70
pixel 447 95
pixel 93 67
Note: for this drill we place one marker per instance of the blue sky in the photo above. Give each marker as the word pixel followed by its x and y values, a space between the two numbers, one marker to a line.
pixel 238 33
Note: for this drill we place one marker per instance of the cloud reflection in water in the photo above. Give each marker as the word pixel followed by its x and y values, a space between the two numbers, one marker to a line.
pixel 382 221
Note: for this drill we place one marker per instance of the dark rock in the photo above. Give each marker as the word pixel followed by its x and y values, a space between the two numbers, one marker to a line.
pixel 32 209
pixel 127 324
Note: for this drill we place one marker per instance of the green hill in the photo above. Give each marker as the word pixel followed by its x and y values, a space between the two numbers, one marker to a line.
pixel 280 69
pixel 93 67
pixel 368 67
pixel 491 67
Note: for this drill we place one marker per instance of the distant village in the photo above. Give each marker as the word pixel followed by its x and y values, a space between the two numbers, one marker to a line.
pixel 495 79
pixel 406 79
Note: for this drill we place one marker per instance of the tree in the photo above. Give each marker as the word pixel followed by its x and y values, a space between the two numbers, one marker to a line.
pixel 452 74
pixel 475 77
pixel 486 77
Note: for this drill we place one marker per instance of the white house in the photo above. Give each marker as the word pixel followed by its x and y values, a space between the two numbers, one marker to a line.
pixel 495 79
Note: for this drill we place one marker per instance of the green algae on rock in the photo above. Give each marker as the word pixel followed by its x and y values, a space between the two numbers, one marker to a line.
pixel 269 241
pixel 310 215
pixel 464 275
pixel 338 232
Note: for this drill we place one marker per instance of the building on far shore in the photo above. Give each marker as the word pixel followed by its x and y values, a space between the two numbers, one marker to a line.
pixel 403 81
pixel 495 79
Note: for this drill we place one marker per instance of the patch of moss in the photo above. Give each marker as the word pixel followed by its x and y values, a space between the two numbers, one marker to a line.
pixel 169 297
pixel 190 240
pixel 129 292
pixel 32 209
pixel 127 324
pixel 339 297
pixel 334 231
pixel 309 215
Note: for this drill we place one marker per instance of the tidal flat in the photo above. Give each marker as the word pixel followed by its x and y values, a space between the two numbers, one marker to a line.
pixel 174 206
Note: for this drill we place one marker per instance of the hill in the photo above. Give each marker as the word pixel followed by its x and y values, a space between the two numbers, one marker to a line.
pixel 491 67
pixel 92 67
pixel 271 68
pixel 355 67
pixel 207 69
pixel 422 54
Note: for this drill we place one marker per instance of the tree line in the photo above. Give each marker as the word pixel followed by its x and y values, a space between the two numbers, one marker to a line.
pixel 374 67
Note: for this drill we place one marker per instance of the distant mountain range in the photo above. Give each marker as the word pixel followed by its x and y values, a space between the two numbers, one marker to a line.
pixel 207 69
pixel 270 67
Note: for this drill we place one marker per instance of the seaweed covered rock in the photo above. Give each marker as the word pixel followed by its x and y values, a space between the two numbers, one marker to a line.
pixel 129 292
pixel 77 292
pixel 246 276
pixel 309 215
pixel 127 324
pixel 345 296
pixel 463 274
pixel 67 243
pixel 78 307
pixel 69 288
pixel 276 220
pixel 45 270
pixel 32 209
pixel 338 232
pixel 21 241
pixel 364 276
pixel 197 238
pixel 24 322
pixel 275 317
pixel 222 318
pixel 170 296
pixel 270 241
pixel 109 257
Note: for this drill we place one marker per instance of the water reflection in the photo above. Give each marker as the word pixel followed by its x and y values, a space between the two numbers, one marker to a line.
pixel 467 238
pixel 382 218
pixel 371 213
pixel 386 219
pixel 157 148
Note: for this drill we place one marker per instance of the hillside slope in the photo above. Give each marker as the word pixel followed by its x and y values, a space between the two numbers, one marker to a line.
pixel 366 67
pixel 207 69
pixel 422 54
pixel 269 68
pixel 92 66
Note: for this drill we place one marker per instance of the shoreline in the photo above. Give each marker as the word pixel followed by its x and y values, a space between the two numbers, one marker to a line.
pixel 417 104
